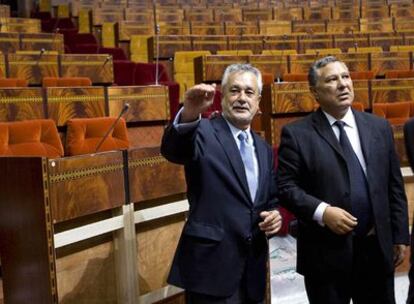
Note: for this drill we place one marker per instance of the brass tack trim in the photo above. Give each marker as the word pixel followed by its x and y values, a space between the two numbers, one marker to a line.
pixel 78 174
pixel 81 98
pixel 145 162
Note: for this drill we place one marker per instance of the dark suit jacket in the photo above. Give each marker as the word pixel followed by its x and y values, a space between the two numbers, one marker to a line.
pixel 312 169
pixel 221 237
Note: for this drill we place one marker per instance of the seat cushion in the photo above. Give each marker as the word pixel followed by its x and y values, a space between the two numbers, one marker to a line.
pixel 84 135
pixel 30 138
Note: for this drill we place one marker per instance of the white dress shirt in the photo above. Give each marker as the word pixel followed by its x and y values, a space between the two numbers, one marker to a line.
pixel 351 130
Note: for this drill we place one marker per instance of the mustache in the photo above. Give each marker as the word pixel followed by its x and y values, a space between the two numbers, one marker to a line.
pixel 243 105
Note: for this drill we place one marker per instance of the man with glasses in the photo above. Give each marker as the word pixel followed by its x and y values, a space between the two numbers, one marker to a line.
pixel 222 253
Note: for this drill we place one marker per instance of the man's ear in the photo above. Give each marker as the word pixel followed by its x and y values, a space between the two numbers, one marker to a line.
pixel 259 98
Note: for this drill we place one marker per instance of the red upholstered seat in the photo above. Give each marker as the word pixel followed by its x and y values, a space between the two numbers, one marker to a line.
pixel 13 82
pixel 84 134
pixel 30 138
pixel 362 75
pixel 116 52
pixel 124 71
pixel 66 82
pixel 399 74
pixel 50 25
pixel 396 113
pixel 359 106
pixel 145 75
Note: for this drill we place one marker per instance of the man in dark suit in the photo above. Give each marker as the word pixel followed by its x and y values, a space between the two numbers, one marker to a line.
pixel 339 173
pixel 222 253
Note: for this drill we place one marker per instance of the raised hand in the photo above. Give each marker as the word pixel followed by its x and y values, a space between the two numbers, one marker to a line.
pixel 196 100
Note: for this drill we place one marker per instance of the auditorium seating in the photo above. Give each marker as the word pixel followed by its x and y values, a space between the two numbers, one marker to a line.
pixel 30 138
pixel 397 113
pixel 84 135
pixel 399 74
pixel 13 82
pixel 66 82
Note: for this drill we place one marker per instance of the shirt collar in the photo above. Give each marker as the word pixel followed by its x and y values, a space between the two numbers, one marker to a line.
pixel 348 119
pixel 236 131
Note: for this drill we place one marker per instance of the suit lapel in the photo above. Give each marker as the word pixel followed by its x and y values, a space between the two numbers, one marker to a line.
pixel 322 126
pixel 226 139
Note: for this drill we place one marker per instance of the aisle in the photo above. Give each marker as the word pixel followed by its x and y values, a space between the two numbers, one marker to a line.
pixel 287 286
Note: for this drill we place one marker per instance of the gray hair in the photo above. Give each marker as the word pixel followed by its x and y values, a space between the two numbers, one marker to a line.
pixel 318 64
pixel 244 68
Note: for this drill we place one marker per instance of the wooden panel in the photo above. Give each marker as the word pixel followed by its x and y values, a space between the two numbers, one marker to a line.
pixel 292 97
pixel 9 42
pixel 317 13
pixel 33 67
pixel 399 143
pixel 355 62
pixel 315 42
pixel 145 136
pixel 82 102
pixel 98 67
pixel 343 26
pixel 173 28
pixel 156 243
pixel 207 28
pixel 87 275
pixel 283 42
pixel 148 103
pixel 385 40
pixel 404 25
pixel 380 11
pixel 86 184
pixel 227 14
pixel 211 68
pixel 128 28
pixel 140 15
pixel 38 41
pixel 402 10
pixel 241 28
pixel 381 62
pixel 146 166
pixel 275 27
pixel 351 39
pixel 288 13
pixel 277 125
pixel 100 16
pixel 168 45
pixel 210 43
pixel 376 25
pixel 21 104
pixel 308 26
pixel 252 42
pixel 20 25
pixel 257 14
pixel 26 232
pixel 169 15
pixel 199 15
pixel 392 90
pixel 301 63
pixel 274 65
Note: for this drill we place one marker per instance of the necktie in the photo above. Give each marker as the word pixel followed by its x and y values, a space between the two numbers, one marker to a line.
pixel 247 154
pixel 359 196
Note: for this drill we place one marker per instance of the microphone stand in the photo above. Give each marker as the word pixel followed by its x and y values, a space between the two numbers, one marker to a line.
pixel 123 111
pixel 157 59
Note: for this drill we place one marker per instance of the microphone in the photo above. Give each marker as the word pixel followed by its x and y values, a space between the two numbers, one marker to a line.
pixel 123 111
pixel 279 74
pixel 107 59
pixel 157 53
pixel 42 51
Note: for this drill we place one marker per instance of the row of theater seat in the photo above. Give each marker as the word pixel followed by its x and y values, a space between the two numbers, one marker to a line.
pixel 47 82
pixel 41 137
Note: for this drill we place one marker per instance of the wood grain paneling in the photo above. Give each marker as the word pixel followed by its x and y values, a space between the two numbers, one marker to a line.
pixel 392 90
pixel 145 136
pixel 74 102
pixel 211 68
pixel 21 104
pixel 147 103
pixel 292 97
pixel 156 243
pixel 95 66
pixel 37 41
pixel 152 176
pixel 381 62
pixel 32 67
pixel 85 184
